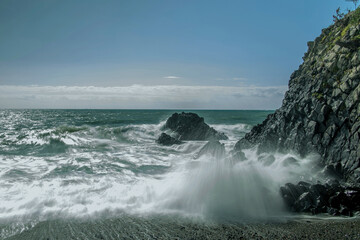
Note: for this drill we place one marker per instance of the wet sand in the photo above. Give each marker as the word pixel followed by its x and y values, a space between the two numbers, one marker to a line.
pixel 178 228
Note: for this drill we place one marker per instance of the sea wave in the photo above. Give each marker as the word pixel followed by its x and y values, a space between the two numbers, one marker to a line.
pixel 74 170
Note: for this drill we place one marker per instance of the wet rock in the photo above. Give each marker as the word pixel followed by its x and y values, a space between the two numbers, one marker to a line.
pixel 189 126
pixel 212 148
pixel 319 198
pixel 304 203
pixel 167 140
pixel 267 160
pixel 345 211
pixel 239 156
pixel 290 193
pixel 333 211
pixel 333 171
pixel 290 161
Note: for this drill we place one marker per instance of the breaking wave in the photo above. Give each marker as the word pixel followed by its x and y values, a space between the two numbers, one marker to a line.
pixel 87 170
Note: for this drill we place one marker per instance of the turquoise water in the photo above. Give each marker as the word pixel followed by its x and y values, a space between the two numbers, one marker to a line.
pixel 100 163
pixel 53 132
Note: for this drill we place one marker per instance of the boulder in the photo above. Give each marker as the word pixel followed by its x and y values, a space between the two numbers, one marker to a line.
pixel 320 198
pixel 189 126
pixel 289 161
pixel 239 156
pixel 167 140
pixel 266 159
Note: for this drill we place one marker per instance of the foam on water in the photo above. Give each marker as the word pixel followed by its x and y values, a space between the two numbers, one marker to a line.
pixel 87 171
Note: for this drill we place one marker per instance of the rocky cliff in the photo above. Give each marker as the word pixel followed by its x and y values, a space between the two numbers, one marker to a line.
pixel 320 112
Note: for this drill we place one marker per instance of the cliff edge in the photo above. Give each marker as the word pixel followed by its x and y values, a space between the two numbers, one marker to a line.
pixel 320 112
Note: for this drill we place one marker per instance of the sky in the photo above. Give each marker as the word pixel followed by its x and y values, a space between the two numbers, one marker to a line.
pixel 154 54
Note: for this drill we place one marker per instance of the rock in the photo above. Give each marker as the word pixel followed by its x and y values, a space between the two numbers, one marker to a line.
pixel 291 193
pixel 266 159
pixel 333 211
pixel 290 161
pixel 321 106
pixel 212 148
pixel 330 170
pixel 189 126
pixel 167 140
pixel 239 156
pixel 319 198
pixel 304 203
pixel 319 190
pixel 353 44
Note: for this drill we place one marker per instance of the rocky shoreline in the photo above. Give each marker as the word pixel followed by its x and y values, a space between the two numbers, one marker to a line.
pixel 320 114
pixel 127 227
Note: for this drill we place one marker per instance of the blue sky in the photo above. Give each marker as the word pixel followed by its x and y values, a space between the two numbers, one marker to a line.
pixel 233 45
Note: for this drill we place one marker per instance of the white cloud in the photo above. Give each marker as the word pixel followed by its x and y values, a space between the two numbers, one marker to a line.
pixel 139 96
pixel 171 77
pixel 239 79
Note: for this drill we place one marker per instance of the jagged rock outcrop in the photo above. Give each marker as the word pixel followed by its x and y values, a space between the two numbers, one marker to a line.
pixel 189 126
pixel 329 198
pixel 167 140
pixel 321 111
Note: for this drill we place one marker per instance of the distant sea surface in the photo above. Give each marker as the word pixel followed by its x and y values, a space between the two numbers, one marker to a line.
pixel 80 164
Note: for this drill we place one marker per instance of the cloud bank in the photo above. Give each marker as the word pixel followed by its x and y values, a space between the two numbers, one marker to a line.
pixel 142 97
pixel 172 77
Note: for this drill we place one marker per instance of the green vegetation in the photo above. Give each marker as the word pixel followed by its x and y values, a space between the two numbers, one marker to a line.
pixel 356 37
pixel 334 69
pixel 325 84
pixel 355 17
pixel 317 95
pixel 346 29
pixel 323 39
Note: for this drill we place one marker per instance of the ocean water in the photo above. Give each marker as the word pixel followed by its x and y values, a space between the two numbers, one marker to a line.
pixel 95 164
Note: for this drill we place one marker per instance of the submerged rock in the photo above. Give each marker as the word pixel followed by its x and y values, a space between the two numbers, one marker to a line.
pixel 213 148
pixel 167 140
pixel 189 126
pixel 290 161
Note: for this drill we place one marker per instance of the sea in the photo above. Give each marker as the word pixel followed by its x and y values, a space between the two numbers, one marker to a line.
pixel 90 165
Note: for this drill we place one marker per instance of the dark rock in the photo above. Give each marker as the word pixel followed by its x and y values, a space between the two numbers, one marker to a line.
pixel 320 198
pixel 291 193
pixel 267 160
pixel 167 140
pixel 304 203
pixel 333 211
pixel 339 199
pixel 352 44
pixel 330 170
pixel 345 211
pixel 239 156
pixel 354 199
pixel 243 144
pixel 214 149
pixel 320 111
pixel 189 126
pixel 319 190
pixel 289 161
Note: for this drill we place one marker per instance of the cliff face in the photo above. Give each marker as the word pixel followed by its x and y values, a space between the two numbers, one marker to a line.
pixel 321 111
